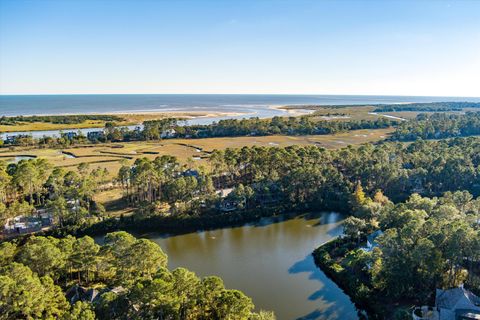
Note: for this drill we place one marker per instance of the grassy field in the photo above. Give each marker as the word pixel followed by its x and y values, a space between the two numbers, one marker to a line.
pixel 364 113
pixel 195 152
pixel 128 120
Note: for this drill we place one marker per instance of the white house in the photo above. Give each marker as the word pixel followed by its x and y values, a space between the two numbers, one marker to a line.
pixel 457 304
pixel 168 133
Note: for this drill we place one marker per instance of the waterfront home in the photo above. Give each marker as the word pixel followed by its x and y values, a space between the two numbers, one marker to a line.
pixel 69 135
pixel 168 133
pixel 425 313
pixel 10 140
pixel 22 225
pixel 228 205
pixel 96 135
pixel 78 293
pixel 457 304
pixel 15 139
pixel 191 173
pixel 371 240
pixel 224 192
pixel 26 224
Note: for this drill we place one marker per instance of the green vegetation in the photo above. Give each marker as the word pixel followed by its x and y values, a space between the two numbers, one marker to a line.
pixel 438 126
pixel 125 278
pixel 264 179
pixel 154 130
pixel 427 107
pixel 397 107
pixel 60 119
pixel 304 125
pixel 297 178
pixel 427 243
pixel 66 194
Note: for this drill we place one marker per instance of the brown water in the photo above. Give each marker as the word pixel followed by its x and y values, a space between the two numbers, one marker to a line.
pixel 270 261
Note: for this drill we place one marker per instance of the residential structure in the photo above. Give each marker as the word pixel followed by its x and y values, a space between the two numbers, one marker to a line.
pixel 371 240
pixel 457 304
pixel 69 135
pixel 168 133
pixel 95 135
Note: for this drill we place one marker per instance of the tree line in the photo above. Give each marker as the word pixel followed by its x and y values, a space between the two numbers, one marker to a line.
pixel 60 119
pixel 169 128
pixel 302 177
pixel 438 126
pixel 427 106
pixel 259 178
pixel 123 278
pixel 67 195
pixel 440 106
pixel 427 243
pixel 303 125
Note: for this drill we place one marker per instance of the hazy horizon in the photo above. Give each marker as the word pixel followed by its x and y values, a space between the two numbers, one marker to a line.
pixel 238 94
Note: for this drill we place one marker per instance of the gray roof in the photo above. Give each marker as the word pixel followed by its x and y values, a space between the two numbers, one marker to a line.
pixel 448 299
pixel 371 237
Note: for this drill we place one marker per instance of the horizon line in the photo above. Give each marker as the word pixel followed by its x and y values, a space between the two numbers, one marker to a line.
pixel 237 94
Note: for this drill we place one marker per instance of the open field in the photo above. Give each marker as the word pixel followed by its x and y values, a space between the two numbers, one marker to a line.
pixel 129 120
pixel 348 113
pixel 333 113
pixel 413 114
pixel 192 151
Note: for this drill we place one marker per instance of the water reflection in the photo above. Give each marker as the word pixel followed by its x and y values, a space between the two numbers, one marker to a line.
pixel 270 261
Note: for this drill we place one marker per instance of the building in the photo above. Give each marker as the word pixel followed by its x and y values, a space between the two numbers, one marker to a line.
pixel 22 225
pixel 372 240
pixel 228 205
pixel 425 313
pixel 168 133
pixel 457 304
pixel 27 224
pixel 96 135
pixel 69 135
pixel 191 173
pixel 14 139
pixel 78 293
pixel 224 192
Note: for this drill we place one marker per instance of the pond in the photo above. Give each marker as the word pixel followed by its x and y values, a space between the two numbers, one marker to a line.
pixel 269 261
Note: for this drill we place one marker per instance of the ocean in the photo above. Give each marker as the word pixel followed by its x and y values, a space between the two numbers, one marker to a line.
pixel 252 104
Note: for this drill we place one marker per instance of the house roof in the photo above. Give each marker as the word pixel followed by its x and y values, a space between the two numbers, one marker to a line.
pixel 76 293
pixel 372 236
pixel 448 299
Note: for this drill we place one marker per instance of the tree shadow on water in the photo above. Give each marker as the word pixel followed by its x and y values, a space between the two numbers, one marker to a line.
pixel 333 303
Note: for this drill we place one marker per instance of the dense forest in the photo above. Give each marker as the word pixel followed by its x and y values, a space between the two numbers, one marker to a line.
pixel 306 177
pixel 438 126
pixel 169 128
pixel 260 178
pixel 31 184
pixel 243 184
pixel 303 125
pixel 124 278
pixel 425 244
pixel 427 106
pixel 397 107
pixel 60 119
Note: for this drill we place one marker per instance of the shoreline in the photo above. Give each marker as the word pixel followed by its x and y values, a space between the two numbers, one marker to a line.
pixel 292 112
pixel 130 119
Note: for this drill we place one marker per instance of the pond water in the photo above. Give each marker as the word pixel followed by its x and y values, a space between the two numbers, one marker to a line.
pixel 24 157
pixel 270 261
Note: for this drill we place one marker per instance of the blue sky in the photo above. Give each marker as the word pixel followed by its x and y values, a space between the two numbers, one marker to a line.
pixel 323 47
